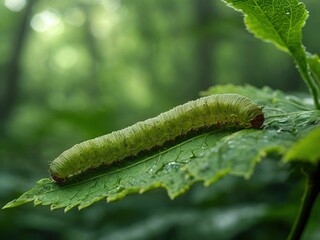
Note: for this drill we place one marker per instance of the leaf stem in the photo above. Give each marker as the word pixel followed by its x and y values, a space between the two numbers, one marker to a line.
pixel 313 87
pixel 311 192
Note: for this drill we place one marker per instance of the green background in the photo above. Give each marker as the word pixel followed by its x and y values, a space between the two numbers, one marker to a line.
pixel 74 70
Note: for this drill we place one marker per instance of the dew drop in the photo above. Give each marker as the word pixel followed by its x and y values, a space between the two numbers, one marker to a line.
pixel 116 190
pixel 279 130
pixel 171 167
pixel 193 155
pixel 231 144
pixel 173 164
pixel 205 168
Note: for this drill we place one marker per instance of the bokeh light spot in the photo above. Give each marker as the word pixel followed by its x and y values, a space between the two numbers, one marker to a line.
pixel 15 5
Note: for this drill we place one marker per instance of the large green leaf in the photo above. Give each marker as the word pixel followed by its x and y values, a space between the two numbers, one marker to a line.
pixel 277 21
pixel 281 23
pixel 307 149
pixel 206 157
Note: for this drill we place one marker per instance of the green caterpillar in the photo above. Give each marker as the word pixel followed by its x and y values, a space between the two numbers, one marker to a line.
pixel 215 111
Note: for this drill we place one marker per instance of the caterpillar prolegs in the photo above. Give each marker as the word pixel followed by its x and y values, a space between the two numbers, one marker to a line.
pixel 214 111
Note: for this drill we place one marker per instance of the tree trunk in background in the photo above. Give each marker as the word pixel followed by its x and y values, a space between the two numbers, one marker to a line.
pixel 149 35
pixel 90 41
pixel 205 15
pixel 13 68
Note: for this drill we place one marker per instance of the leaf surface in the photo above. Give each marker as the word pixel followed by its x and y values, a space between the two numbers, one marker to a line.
pixel 306 150
pixel 205 158
pixel 277 21
pixel 280 22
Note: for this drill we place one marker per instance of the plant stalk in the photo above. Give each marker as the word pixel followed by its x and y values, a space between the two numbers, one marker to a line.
pixel 313 87
pixel 311 192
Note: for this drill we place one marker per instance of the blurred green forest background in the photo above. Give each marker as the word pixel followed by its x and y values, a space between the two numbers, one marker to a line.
pixel 74 70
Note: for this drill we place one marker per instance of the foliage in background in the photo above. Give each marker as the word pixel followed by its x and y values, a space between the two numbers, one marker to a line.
pixel 144 54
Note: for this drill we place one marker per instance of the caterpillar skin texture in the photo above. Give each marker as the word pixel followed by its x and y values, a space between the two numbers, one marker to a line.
pixel 219 110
